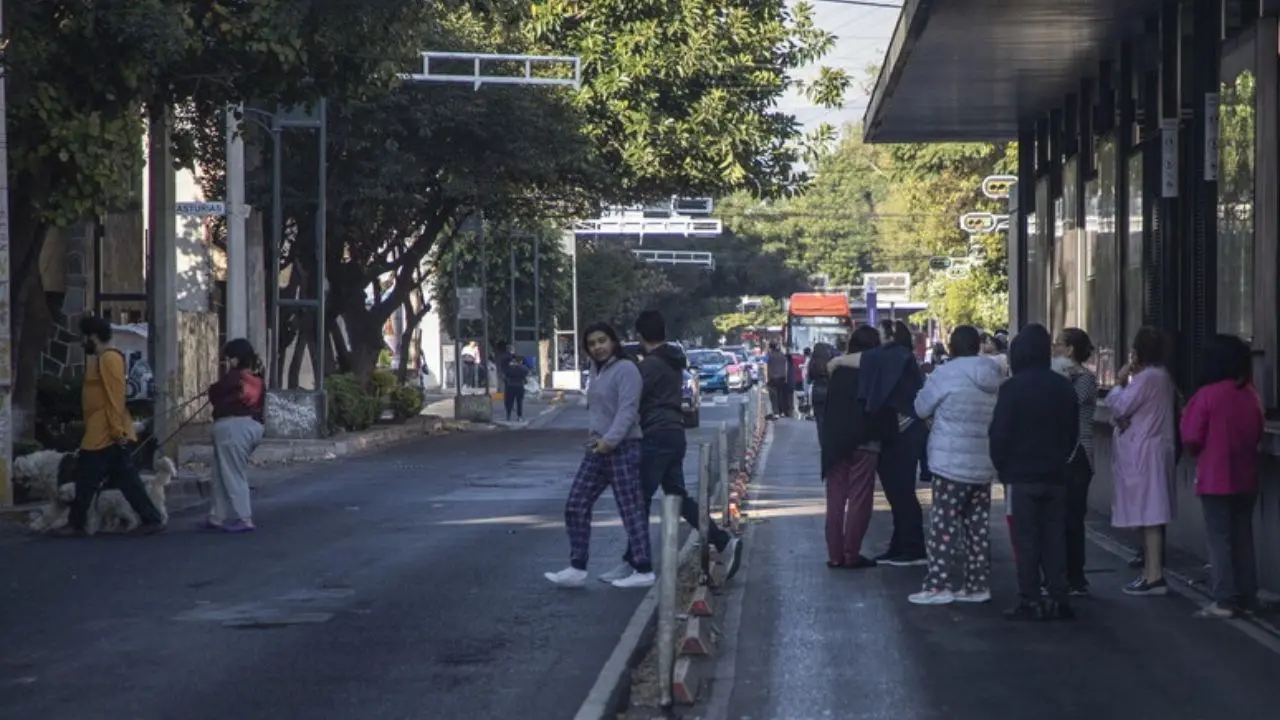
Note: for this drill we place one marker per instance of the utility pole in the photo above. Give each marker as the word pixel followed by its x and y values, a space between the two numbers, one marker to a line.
pixel 162 281
pixel 237 305
pixel 6 293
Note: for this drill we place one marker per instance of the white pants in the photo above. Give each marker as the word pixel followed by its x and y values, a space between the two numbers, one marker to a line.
pixel 234 440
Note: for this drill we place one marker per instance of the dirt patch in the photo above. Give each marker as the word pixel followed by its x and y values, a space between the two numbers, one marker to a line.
pixel 646 694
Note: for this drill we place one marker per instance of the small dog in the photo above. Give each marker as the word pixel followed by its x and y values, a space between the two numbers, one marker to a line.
pixel 109 512
pixel 44 471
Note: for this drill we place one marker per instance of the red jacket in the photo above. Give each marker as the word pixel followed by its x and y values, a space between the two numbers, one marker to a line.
pixel 239 393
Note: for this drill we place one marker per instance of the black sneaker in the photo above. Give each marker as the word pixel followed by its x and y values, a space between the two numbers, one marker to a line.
pixel 1058 610
pixel 1025 611
pixel 861 563
pixel 905 560
pixel 1144 588
pixel 1078 590
pixel 886 555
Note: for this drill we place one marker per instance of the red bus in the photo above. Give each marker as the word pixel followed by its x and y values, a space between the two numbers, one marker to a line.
pixel 817 317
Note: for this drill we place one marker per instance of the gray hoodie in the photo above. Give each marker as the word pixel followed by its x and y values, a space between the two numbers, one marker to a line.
pixel 613 402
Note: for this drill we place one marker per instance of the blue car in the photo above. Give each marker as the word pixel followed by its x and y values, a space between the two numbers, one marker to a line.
pixel 713 375
pixel 691 394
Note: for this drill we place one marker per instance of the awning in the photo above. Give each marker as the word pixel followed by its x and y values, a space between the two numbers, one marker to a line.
pixel 967 70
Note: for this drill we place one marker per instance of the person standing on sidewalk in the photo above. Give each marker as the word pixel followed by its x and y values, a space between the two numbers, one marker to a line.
pixel 1072 350
pixel 514 375
pixel 1221 428
pixel 777 369
pixel 818 378
pixel 960 397
pixel 1033 432
pixel 1143 410
pixel 104 460
pixel 237 399
pixel 663 447
pixel 891 378
pixel 849 439
pixel 612 459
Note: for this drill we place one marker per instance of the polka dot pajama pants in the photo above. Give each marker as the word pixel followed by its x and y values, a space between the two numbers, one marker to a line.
pixel 958 539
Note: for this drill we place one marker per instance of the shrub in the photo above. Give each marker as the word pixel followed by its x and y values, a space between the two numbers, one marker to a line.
pixel 406 402
pixel 384 383
pixel 351 407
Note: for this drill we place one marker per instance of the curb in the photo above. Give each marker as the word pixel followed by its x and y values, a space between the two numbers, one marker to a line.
pixel 613 682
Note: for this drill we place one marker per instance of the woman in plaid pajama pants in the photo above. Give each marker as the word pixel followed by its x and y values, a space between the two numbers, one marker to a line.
pixel 612 460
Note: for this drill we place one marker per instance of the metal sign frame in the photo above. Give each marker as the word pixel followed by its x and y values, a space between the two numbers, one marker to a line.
pixel 982 223
pixel 677 257
pixel 684 227
pixel 999 187
pixel 483 72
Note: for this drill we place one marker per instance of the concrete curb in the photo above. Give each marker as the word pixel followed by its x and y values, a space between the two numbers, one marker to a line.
pixel 614 681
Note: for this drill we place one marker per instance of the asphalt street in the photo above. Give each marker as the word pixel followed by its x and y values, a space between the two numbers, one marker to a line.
pixel 813 643
pixel 400 585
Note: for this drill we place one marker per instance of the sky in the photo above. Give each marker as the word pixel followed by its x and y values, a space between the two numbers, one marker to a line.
pixel 862 35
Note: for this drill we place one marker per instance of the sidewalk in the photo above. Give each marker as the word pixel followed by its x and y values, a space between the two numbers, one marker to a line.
pixel 802 641
pixel 405 583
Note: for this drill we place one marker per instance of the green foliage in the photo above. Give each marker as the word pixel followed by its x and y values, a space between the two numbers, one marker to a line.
pixel 351 407
pixel 769 313
pixel 383 383
pixel 406 402
pixel 614 286
pixel 680 95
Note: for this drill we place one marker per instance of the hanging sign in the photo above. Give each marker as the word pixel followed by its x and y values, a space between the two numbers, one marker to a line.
pixel 980 223
pixel 999 187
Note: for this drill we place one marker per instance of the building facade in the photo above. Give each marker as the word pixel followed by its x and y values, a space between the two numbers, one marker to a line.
pixel 1148 183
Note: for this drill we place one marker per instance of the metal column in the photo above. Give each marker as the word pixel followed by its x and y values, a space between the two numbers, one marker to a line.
pixel 162 336
pixel 7 346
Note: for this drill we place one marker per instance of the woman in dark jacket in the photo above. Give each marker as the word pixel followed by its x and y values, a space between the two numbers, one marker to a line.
pixel 850 442
pixel 819 377
pixel 237 400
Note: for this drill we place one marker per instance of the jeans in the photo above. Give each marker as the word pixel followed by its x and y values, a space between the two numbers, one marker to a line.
pixel 1228 521
pixel 110 467
pixel 662 466
pixel 1078 479
pixel 513 398
pixel 899 461
pixel 1039 526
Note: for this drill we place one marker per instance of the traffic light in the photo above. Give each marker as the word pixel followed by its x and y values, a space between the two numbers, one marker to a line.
pixel 939 263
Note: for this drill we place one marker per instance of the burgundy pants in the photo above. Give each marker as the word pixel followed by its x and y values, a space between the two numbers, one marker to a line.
pixel 851 486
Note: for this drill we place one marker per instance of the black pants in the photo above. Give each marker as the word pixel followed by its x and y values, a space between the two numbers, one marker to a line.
pixel 1078 479
pixel 514 398
pixel 110 467
pixel 1228 521
pixel 1039 527
pixel 662 466
pixel 899 461
pixel 926 475
pixel 780 394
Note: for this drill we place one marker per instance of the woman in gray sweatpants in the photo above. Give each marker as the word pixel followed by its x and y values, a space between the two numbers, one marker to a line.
pixel 237 400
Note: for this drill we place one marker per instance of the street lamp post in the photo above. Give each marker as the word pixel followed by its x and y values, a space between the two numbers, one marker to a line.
pixel 6 290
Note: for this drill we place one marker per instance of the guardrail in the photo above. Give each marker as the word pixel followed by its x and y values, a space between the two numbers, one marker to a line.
pixel 721 467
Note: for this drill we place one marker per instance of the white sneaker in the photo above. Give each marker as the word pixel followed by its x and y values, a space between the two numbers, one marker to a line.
pixel 568 577
pixel 978 596
pixel 617 573
pixel 636 580
pixel 932 597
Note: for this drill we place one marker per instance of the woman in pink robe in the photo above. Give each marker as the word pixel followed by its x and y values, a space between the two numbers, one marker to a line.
pixel 1143 410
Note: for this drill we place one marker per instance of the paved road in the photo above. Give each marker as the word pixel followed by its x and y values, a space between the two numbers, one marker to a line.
pixel 814 643
pixel 401 585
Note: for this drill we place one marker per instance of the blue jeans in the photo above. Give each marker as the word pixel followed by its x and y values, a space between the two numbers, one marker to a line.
pixel 662 466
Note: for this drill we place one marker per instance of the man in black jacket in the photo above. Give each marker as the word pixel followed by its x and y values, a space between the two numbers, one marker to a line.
pixel 663 447
pixel 1033 433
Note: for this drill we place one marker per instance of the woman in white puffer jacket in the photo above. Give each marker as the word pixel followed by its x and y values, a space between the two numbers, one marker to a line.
pixel 960 397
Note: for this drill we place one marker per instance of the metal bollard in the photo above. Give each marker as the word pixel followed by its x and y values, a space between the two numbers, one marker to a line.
pixel 668 573
pixel 743 437
pixel 722 476
pixel 704 495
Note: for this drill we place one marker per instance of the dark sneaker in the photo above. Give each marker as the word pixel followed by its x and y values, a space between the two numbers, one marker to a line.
pixel 1142 587
pixel 861 563
pixel 1078 591
pixel 906 560
pixel 1025 611
pixel 886 555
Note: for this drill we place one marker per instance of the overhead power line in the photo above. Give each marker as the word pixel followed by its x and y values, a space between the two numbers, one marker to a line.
pixel 863 3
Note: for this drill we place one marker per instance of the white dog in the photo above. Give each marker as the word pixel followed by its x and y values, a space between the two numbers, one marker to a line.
pixel 44 471
pixel 109 512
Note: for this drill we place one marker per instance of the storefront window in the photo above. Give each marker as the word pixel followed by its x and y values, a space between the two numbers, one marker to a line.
pixel 1043 280
pixel 1068 239
pixel 1102 264
pixel 1134 281
pixel 1237 151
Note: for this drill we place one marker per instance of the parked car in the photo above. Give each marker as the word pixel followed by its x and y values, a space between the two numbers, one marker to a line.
pixel 712 367
pixel 735 372
pixel 691 400
pixel 745 359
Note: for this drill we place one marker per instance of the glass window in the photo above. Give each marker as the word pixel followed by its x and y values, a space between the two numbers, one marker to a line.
pixel 1135 290
pixel 1042 283
pixel 1237 150
pixel 1067 237
pixel 1103 275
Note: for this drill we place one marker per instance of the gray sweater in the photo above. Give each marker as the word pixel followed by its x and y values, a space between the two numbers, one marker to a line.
pixel 613 402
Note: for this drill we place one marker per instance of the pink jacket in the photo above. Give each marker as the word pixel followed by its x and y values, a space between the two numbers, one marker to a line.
pixel 1224 423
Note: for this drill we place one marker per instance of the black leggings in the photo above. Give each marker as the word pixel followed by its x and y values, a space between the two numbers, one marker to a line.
pixel 514 398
